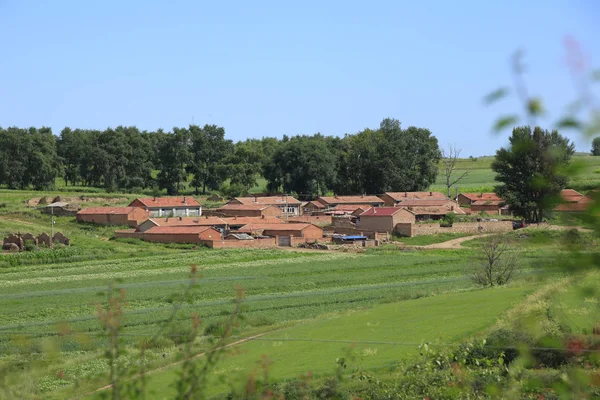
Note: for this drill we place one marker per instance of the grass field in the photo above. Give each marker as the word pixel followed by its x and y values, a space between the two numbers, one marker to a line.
pixel 383 294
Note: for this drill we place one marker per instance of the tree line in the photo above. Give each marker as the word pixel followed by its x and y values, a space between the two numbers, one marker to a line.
pixel 389 158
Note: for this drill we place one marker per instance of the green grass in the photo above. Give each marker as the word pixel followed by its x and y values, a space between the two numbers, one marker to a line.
pixel 297 350
pixel 431 239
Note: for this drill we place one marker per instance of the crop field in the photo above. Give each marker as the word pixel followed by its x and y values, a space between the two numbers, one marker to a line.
pixel 50 301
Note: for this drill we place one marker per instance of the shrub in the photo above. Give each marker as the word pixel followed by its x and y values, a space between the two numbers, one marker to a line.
pixel 448 220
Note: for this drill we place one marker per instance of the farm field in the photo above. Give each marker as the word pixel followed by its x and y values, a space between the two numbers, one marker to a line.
pixel 50 300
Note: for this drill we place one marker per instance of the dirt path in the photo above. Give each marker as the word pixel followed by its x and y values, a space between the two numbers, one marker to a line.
pixel 454 243
pixel 164 367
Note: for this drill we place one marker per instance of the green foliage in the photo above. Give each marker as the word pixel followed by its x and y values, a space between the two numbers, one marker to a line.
pixel 448 220
pixel 173 156
pixel 596 146
pixel 530 171
pixel 28 158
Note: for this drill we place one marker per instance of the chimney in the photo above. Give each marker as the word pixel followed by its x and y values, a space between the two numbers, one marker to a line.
pixel 405 194
pixel 181 218
pixel 431 193
pixel 480 194
pixel 184 200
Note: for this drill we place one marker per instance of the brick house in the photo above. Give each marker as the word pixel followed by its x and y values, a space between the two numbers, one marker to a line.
pixel 573 201
pixel 249 210
pixel 384 219
pixel 393 198
pixel 182 221
pixel 492 207
pixel 169 206
pixel 131 216
pixel 288 204
pixel 181 234
pixel 307 231
pixel 467 199
pixel 333 201
pixel 431 209
pixel 313 207
pixel 237 222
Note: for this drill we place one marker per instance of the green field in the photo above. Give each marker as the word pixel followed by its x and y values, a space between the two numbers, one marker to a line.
pixel 49 300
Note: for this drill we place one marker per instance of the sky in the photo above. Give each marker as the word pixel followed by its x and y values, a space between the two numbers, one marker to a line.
pixel 269 68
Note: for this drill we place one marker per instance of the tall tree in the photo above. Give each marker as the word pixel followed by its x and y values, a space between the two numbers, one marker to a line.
pixel 530 171
pixel 209 151
pixel 449 160
pixel 172 157
pixel 596 146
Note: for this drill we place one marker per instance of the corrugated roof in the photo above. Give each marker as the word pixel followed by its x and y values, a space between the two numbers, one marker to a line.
pixel 154 202
pixel 174 230
pixel 268 200
pixel 252 220
pixel 107 210
pixel 482 196
pixel 350 200
pixel 381 211
pixel 189 221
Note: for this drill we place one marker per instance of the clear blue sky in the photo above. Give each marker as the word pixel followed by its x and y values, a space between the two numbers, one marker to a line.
pixel 268 68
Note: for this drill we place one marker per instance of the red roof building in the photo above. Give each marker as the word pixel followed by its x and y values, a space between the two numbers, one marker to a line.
pixel 249 210
pixel 393 198
pixel 288 204
pixel 169 206
pixel 332 201
pixel 130 216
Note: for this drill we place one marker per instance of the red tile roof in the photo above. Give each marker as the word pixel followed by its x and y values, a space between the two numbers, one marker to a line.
pixel 107 210
pixel 274 227
pixel 244 207
pixel 174 230
pixel 426 203
pixel 316 204
pixel 572 207
pixel 328 200
pixel 401 196
pixel 268 200
pixel 482 196
pixel 189 221
pixel 155 202
pixel 382 211
pixel 350 207
pixel 252 220
pixel 498 203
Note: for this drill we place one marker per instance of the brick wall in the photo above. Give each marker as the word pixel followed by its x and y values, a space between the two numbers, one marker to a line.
pixel 405 229
pixel 487 208
pixel 319 220
pixel 267 243
pixel 129 233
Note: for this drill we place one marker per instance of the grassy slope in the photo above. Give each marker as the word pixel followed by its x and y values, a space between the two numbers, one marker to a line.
pixel 431 239
pixel 441 319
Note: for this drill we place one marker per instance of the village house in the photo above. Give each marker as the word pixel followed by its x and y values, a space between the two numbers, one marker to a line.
pixel 467 199
pixel 215 222
pixel 384 219
pixel 427 209
pixel 348 209
pixel 306 231
pixel 331 201
pixel 492 207
pixel 181 234
pixel 288 204
pixel 234 223
pixel 169 206
pixel 249 210
pixel 393 198
pixel 131 216
pixel 312 207
pixel 573 201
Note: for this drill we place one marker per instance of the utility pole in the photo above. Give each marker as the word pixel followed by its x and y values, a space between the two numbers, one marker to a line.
pixel 52 222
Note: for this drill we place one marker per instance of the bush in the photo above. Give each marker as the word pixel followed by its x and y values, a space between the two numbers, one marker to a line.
pixel 29 245
pixel 448 220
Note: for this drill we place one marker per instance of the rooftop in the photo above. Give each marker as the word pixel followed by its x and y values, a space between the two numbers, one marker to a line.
pixel 350 207
pixel 153 202
pixel 403 196
pixel 488 203
pixel 482 196
pixel 244 207
pixel 251 220
pixel 381 211
pixel 162 230
pixel 188 221
pixel 274 227
pixel 268 200
pixel 425 203
pixel 363 199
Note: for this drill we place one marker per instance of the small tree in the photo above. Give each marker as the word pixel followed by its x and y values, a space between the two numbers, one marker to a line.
pixel 449 160
pixel 596 146
pixel 497 262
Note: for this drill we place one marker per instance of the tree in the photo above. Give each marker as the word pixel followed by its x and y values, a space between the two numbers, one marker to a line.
pixel 172 157
pixel 449 160
pixel 303 164
pixel 596 146
pixel 497 262
pixel 531 172
pixel 209 151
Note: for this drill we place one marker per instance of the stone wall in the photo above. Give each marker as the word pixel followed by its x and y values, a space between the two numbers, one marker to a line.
pixel 411 230
pixel 318 220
